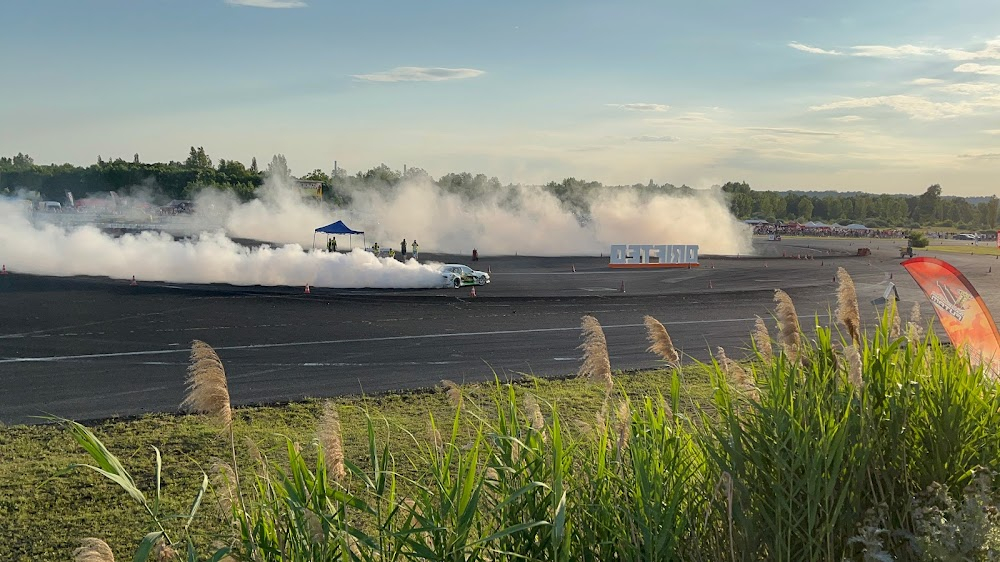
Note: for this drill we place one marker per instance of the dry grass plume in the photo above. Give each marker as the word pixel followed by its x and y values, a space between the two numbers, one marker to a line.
pixel 915 314
pixel 762 339
pixel 854 367
pixel 329 434
pixel 596 364
pixel 163 552
pixel 224 484
pixel 847 305
pixel 533 413
pixel 208 392
pixel 93 550
pixel 734 371
pixel 660 341
pixel 623 425
pixel 453 392
pixel 788 324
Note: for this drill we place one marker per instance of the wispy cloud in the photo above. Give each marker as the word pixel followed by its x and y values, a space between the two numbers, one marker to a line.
pixel 887 52
pixel 926 81
pixel 268 3
pixel 788 131
pixel 990 51
pixel 986 156
pixel 652 138
pixel 813 50
pixel 992 131
pixel 420 74
pixel 914 106
pixel 847 118
pixel 971 88
pixel 976 68
pixel 640 106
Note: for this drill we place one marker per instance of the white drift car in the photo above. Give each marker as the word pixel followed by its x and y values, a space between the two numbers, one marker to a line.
pixel 458 275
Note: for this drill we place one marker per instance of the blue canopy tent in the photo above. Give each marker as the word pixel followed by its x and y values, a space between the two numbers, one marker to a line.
pixel 336 228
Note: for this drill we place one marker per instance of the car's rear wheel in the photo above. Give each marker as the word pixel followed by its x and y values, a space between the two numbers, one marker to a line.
pixel 458 283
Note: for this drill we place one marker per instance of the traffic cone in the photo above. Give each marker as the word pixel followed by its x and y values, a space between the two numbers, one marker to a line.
pixel 472 293
pixel 710 286
pixel 133 283
pixel 488 270
pixel 4 270
pixel 622 288
pixel 574 268
pixel 307 291
pixel 890 275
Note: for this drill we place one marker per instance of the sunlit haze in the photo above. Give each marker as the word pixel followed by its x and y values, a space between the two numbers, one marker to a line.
pixel 884 97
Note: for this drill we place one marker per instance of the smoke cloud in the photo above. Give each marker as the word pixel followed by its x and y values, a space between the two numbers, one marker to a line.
pixel 505 220
pixel 514 219
pixel 211 257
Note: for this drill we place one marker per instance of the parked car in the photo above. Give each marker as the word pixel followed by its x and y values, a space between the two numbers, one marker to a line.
pixel 457 275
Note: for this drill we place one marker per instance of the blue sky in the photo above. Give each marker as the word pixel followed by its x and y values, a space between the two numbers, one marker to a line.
pixel 886 96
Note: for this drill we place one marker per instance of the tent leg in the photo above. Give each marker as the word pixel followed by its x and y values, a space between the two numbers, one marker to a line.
pixel 314 241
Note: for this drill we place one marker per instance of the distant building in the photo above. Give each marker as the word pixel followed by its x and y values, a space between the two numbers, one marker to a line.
pixel 310 188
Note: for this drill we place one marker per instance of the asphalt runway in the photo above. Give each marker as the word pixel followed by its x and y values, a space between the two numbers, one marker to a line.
pixel 91 348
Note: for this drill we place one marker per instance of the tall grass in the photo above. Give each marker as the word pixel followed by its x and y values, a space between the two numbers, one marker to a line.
pixel 827 445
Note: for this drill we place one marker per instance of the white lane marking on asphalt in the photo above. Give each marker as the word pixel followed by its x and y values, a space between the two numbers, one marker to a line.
pixel 565 358
pixel 365 340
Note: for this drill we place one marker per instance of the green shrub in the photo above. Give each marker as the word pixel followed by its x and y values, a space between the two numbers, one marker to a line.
pixel 918 240
pixel 842 446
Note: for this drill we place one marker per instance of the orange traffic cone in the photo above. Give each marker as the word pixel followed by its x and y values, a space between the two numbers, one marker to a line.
pixel 133 283
pixel 4 270
pixel 307 289
pixel 472 293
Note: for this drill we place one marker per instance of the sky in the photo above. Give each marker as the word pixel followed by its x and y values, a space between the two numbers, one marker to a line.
pixel 884 97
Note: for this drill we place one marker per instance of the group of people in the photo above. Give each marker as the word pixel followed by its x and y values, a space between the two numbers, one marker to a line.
pixel 377 250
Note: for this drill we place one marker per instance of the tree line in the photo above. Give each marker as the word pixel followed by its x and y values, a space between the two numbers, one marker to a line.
pixel 181 179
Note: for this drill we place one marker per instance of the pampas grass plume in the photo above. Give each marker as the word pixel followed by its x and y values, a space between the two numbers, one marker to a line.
pixel 854 367
pixel 762 339
pixel 623 424
pixel 788 322
pixel 534 413
pixel 93 550
pixel 662 345
pixel 208 392
pixel 847 305
pixel 596 364
pixel 224 482
pixel 453 392
pixel 331 441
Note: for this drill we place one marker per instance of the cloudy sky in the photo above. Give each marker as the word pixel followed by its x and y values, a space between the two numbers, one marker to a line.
pixel 886 96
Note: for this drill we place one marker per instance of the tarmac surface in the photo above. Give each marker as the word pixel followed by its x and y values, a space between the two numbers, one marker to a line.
pixel 92 348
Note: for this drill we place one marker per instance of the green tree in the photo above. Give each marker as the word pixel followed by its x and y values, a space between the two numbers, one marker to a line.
pixel 805 208
pixel 197 159
pixel 279 167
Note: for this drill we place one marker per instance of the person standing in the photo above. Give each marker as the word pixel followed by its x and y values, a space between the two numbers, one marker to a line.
pixel 416 250
pixel 402 247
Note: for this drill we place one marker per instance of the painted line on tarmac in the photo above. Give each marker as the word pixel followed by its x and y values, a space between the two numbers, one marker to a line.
pixel 54 358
